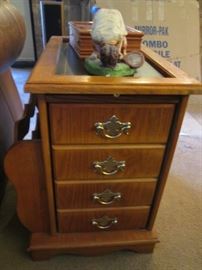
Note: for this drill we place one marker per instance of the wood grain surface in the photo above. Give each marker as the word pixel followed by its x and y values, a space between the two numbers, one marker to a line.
pixel 81 220
pixel 80 194
pixel 24 168
pixel 75 123
pixel 43 246
pixel 44 79
pixel 77 163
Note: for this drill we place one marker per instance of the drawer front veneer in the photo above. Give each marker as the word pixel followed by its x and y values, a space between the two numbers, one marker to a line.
pixel 118 163
pixel 102 194
pixel 99 220
pixel 94 123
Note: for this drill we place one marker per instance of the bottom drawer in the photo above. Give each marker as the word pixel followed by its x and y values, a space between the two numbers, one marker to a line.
pixel 125 218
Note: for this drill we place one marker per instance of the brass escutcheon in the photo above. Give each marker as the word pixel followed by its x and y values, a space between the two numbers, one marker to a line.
pixel 113 128
pixel 109 166
pixel 107 197
pixel 104 222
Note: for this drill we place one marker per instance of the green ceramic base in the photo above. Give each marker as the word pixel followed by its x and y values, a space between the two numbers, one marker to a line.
pixel 94 67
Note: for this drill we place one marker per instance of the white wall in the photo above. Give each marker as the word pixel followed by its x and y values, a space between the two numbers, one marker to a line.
pixel 28 50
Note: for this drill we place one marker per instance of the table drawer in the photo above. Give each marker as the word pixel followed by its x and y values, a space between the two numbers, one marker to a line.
pixel 106 162
pixel 99 220
pixel 102 194
pixel 94 123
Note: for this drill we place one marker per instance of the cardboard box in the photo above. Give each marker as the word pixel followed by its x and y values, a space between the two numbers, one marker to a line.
pixel 171 28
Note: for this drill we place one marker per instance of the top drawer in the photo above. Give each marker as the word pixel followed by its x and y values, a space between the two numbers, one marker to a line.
pixel 110 123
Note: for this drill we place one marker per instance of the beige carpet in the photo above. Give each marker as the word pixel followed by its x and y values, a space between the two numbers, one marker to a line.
pixel 195 107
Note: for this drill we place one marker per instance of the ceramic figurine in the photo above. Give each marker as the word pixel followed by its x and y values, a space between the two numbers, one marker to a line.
pixel 110 56
pixel 109 36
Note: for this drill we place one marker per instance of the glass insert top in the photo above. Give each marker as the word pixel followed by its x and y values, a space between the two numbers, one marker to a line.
pixel 70 64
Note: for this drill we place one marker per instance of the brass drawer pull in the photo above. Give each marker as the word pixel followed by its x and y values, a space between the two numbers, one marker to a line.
pixel 113 128
pixel 109 166
pixel 107 197
pixel 104 222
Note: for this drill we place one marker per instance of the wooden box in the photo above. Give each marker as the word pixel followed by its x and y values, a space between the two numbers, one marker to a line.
pixel 80 38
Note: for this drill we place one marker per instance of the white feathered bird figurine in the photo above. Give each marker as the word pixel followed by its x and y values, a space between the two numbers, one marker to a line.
pixel 109 36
